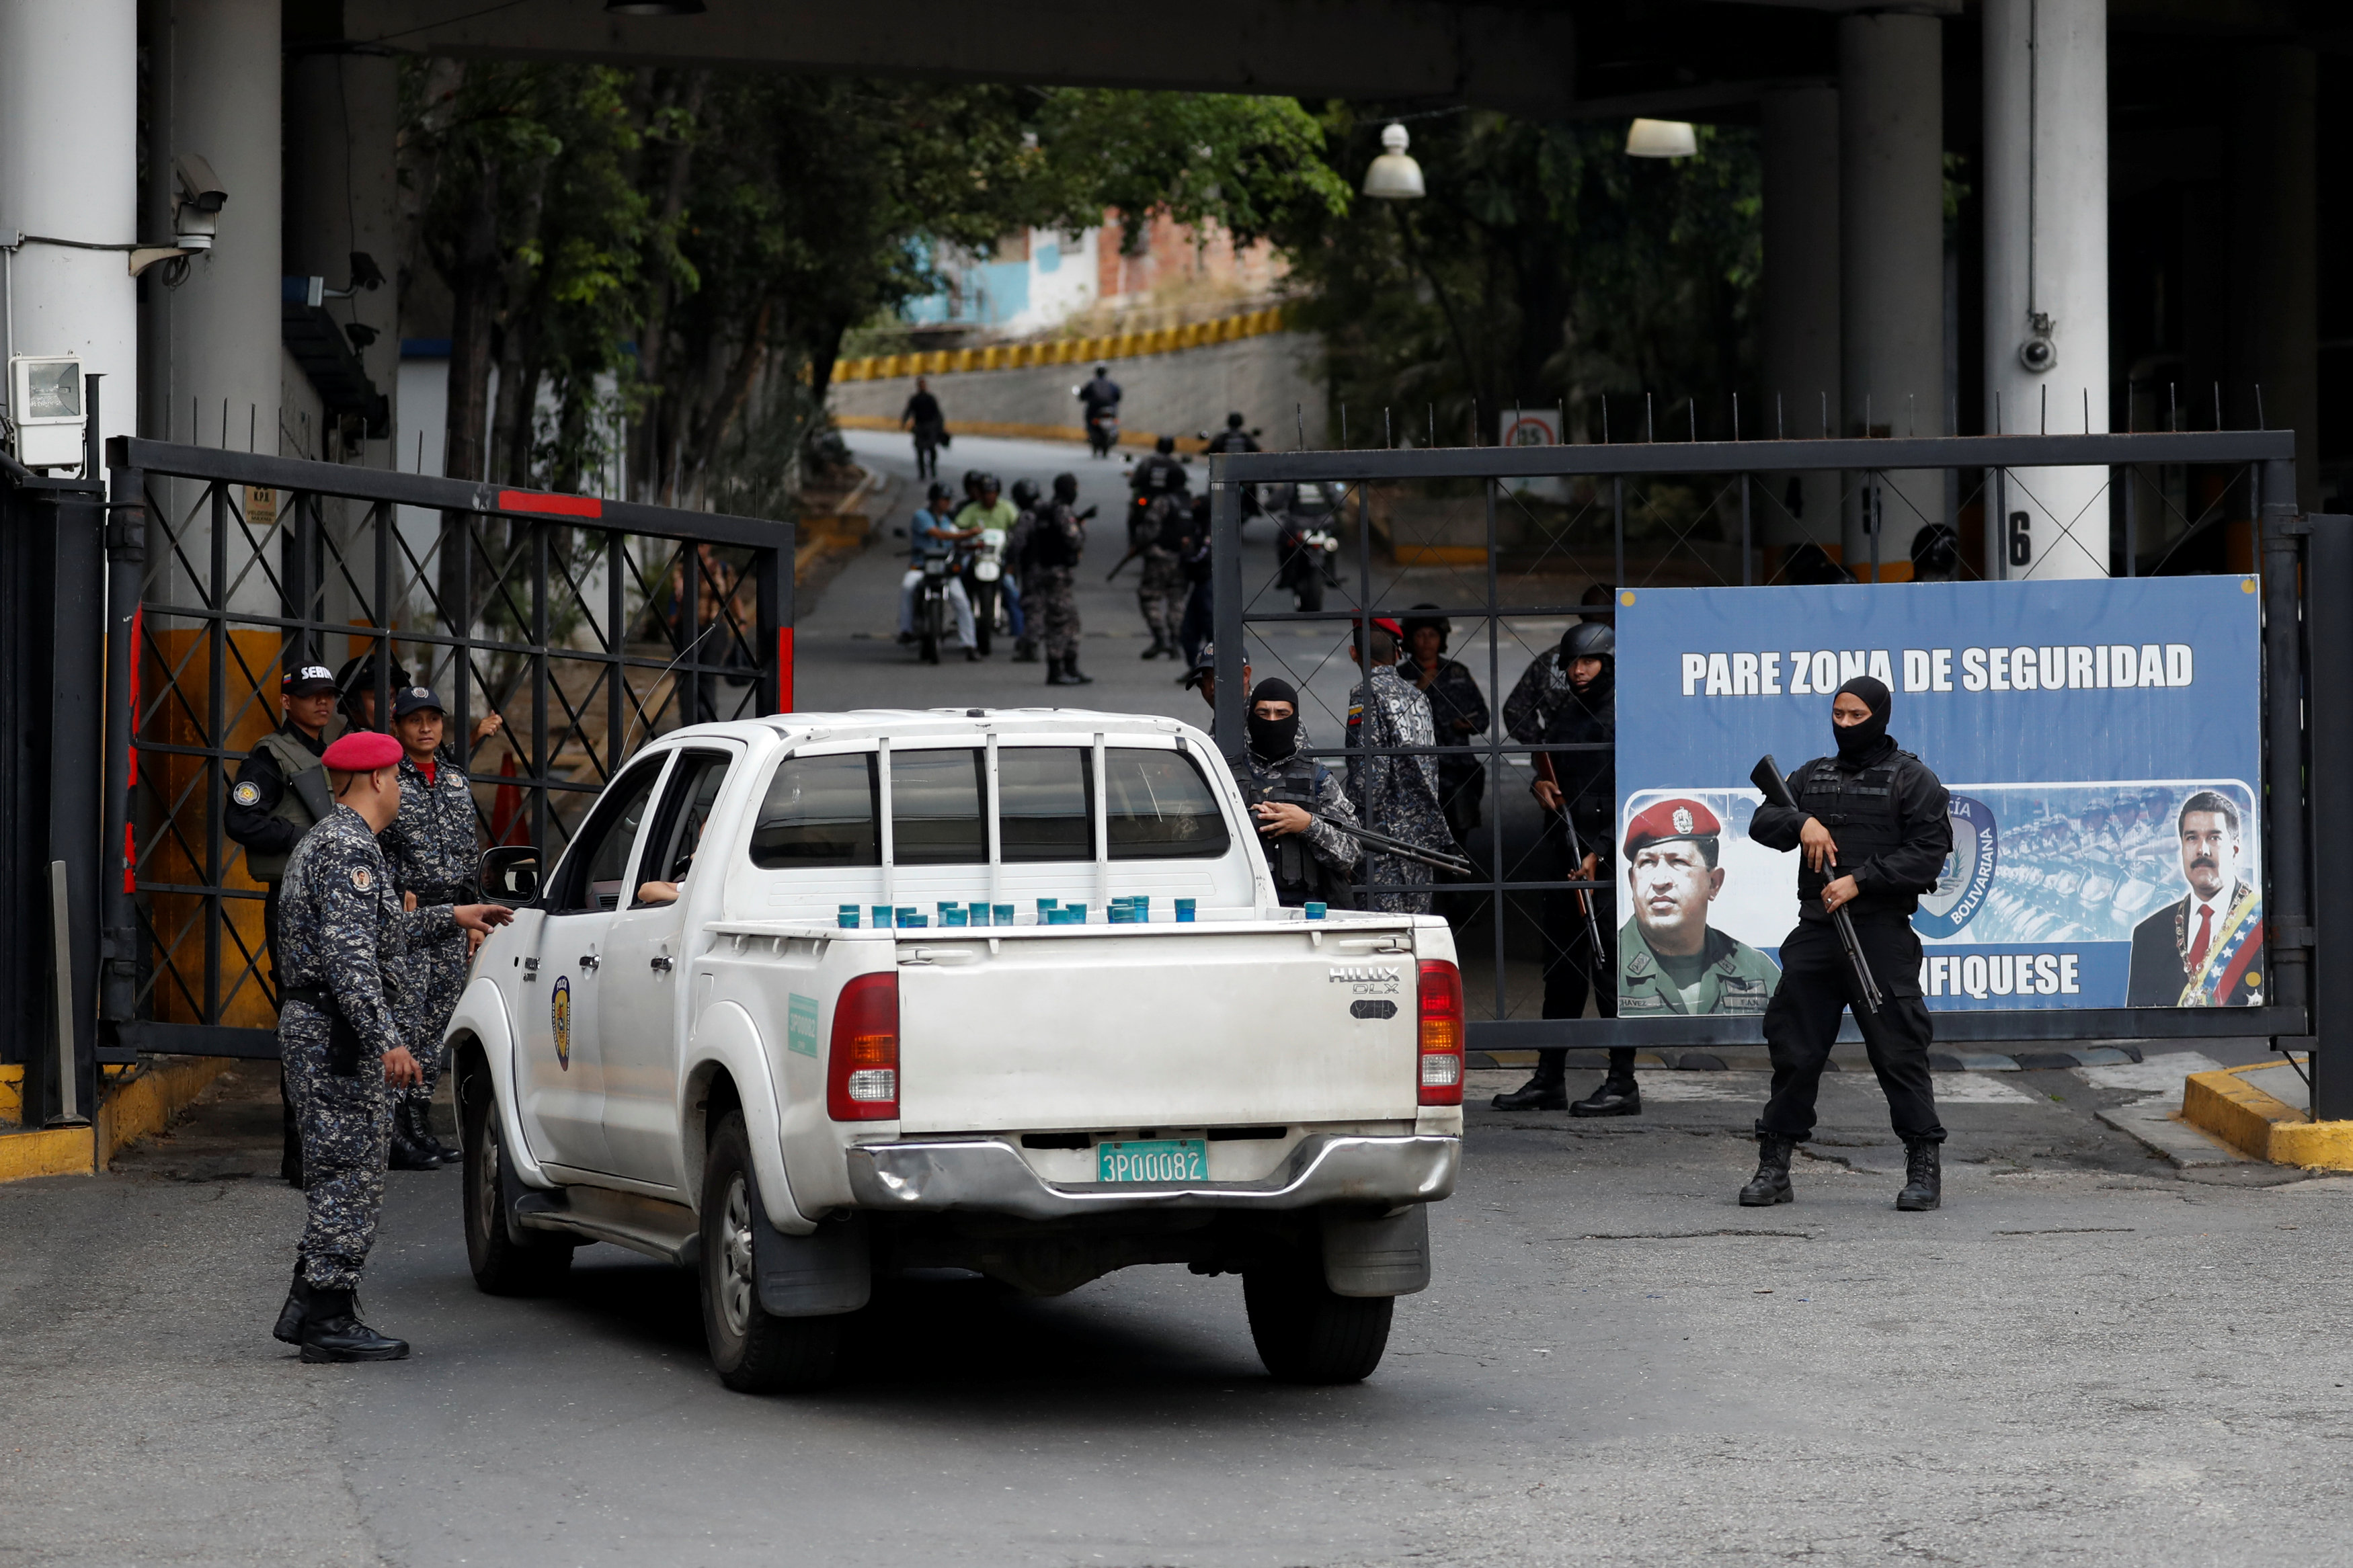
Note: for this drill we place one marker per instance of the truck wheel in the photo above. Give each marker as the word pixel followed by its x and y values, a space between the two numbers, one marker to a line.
pixel 501 1266
pixel 1307 1334
pixel 752 1351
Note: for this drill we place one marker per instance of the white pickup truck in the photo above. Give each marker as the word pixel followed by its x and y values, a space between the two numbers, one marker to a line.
pixel 717 1070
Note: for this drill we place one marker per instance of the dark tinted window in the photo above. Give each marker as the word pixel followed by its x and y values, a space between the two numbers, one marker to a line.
pixel 935 809
pixel 600 857
pixel 1160 807
pixel 1044 809
pixel 820 811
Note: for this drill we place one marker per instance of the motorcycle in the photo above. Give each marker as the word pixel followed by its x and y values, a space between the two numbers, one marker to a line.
pixel 984 574
pixel 1306 545
pixel 932 610
pixel 1102 429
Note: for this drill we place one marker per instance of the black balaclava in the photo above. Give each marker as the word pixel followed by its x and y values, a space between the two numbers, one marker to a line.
pixel 1859 745
pixel 1272 739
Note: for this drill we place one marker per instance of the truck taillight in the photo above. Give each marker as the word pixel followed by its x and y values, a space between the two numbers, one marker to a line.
pixel 1441 1033
pixel 861 1073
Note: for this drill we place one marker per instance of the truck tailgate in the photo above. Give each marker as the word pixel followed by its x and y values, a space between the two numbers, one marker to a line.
pixel 1156 1027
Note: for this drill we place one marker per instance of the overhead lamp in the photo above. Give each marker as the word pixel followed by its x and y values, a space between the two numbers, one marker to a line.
pixel 1662 139
pixel 1393 176
pixel 655 8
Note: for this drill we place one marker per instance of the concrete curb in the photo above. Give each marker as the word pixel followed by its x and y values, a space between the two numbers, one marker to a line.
pixel 2262 1125
pixel 1938 1062
pixel 136 1107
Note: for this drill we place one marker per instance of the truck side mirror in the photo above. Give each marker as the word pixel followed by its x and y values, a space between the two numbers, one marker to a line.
pixel 510 874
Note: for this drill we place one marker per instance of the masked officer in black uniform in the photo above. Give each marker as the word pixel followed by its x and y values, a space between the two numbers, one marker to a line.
pixel 1568 695
pixel 1872 821
pixel 1311 860
pixel 280 791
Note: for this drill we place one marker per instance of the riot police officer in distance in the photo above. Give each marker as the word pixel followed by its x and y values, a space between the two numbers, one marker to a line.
pixel 1287 791
pixel 1567 697
pixel 1871 820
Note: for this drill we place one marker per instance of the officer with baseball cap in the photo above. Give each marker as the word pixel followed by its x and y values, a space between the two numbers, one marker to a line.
pixel 432 849
pixel 1673 961
pixel 278 792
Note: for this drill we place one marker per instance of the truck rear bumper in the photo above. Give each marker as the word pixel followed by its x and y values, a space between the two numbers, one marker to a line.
pixel 988 1175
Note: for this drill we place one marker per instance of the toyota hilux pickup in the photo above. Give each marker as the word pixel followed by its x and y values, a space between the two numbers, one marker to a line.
pixel 816 1000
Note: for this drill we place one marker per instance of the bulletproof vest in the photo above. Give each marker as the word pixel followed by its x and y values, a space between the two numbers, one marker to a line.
pixel 1300 876
pixel 303 802
pixel 1860 809
pixel 1049 540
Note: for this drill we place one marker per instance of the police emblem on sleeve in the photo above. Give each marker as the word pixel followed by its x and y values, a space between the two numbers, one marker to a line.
pixel 246 793
pixel 363 878
pixel 1967 879
pixel 559 1020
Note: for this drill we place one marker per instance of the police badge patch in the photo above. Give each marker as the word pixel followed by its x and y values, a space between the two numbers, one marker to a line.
pixel 363 878
pixel 246 793
pixel 1967 876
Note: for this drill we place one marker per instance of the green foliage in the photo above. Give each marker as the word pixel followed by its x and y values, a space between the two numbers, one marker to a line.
pixel 1544 265
pixel 1253 164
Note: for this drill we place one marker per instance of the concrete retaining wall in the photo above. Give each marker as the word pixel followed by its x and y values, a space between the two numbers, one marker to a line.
pixel 1183 393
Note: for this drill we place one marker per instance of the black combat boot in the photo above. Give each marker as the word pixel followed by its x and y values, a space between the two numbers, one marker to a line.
pixel 420 1133
pixel 1923 1175
pixel 406 1153
pixel 1070 669
pixel 1771 1184
pixel 1025 651
pixel 1547 1090
pixel 333 1332
pixel 1056 674
pixel 297 1308
pixel 1616 1097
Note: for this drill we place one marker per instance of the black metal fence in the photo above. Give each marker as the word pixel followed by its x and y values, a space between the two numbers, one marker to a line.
pixel 562 631
pixel 1514 529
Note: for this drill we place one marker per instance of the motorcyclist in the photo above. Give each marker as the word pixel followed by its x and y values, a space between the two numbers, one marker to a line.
pixel 1233 437
pixel 1100 397
pixel 931 533
pixel 987 512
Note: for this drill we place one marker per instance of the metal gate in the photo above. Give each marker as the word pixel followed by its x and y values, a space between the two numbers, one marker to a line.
pixel 584 625
pixel 1634 514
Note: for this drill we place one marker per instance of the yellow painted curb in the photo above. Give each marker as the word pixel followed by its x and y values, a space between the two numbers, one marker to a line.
pixel 2263 1125
pixel 1063 350
pixel 59 1151
pixel 1010 431
pixel 148 1102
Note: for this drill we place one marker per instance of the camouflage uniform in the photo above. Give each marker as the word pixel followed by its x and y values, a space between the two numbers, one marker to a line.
pixel 1161 593
pixel 1314 864
pixel 1395 795
pixel 1049 555
pixel 431 847
pixel 341 927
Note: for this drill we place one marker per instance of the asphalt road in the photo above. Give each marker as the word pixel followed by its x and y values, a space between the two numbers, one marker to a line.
pixel 2085 1358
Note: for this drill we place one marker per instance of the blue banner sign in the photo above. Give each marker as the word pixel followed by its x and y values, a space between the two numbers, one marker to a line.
pixel 2100 740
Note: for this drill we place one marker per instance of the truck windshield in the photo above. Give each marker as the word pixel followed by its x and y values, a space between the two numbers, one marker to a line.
pixel 820 811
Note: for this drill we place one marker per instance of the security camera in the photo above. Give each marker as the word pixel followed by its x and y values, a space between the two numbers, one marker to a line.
pixel 365 273
pixel 197 216
pixel 2038 353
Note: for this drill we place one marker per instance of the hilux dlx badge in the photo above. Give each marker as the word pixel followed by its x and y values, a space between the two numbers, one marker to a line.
pixel 1367 979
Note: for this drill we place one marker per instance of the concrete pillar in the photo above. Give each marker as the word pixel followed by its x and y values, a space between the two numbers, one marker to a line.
pixel 1892 266
pixel 1801 304
pixel 225 337
pixel 2046 273
pixel 70 170
pixel 2274 252
pixel 342 195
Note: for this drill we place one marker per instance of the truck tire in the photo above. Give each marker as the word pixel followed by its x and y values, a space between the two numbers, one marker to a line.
pixel 752 1351
pixel 1304 1332
pixel 501 1266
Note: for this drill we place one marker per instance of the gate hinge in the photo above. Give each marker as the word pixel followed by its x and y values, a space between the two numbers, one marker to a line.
pixel 2289 938
pixel 2292 527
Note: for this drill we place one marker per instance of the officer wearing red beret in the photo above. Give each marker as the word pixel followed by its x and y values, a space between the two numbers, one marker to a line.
pixel 341 923
pixel 1673 962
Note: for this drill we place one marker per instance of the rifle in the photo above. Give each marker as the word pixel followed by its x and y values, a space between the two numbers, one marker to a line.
pixel 1547 774
pixel 1381 841
pixel 1768 781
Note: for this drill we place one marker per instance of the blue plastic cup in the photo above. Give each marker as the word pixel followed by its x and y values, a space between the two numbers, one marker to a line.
pixel 846 917
pixel 1045 908
pixel 954 917
pixel 1077 913
pixel 881 914
pixel 913 919
pixel 1315 911
pixel 1003 913
pixel 1185 912
pixel 978 914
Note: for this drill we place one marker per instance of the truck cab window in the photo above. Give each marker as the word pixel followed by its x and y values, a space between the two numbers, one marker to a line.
pixel 1045 809
pixel 592 873
pixel 935 816
pixel 818 812
pixel 1159 807
pixel 686 807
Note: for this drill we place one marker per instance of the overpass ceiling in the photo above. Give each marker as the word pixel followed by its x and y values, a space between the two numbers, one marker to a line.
pixel 1701 60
